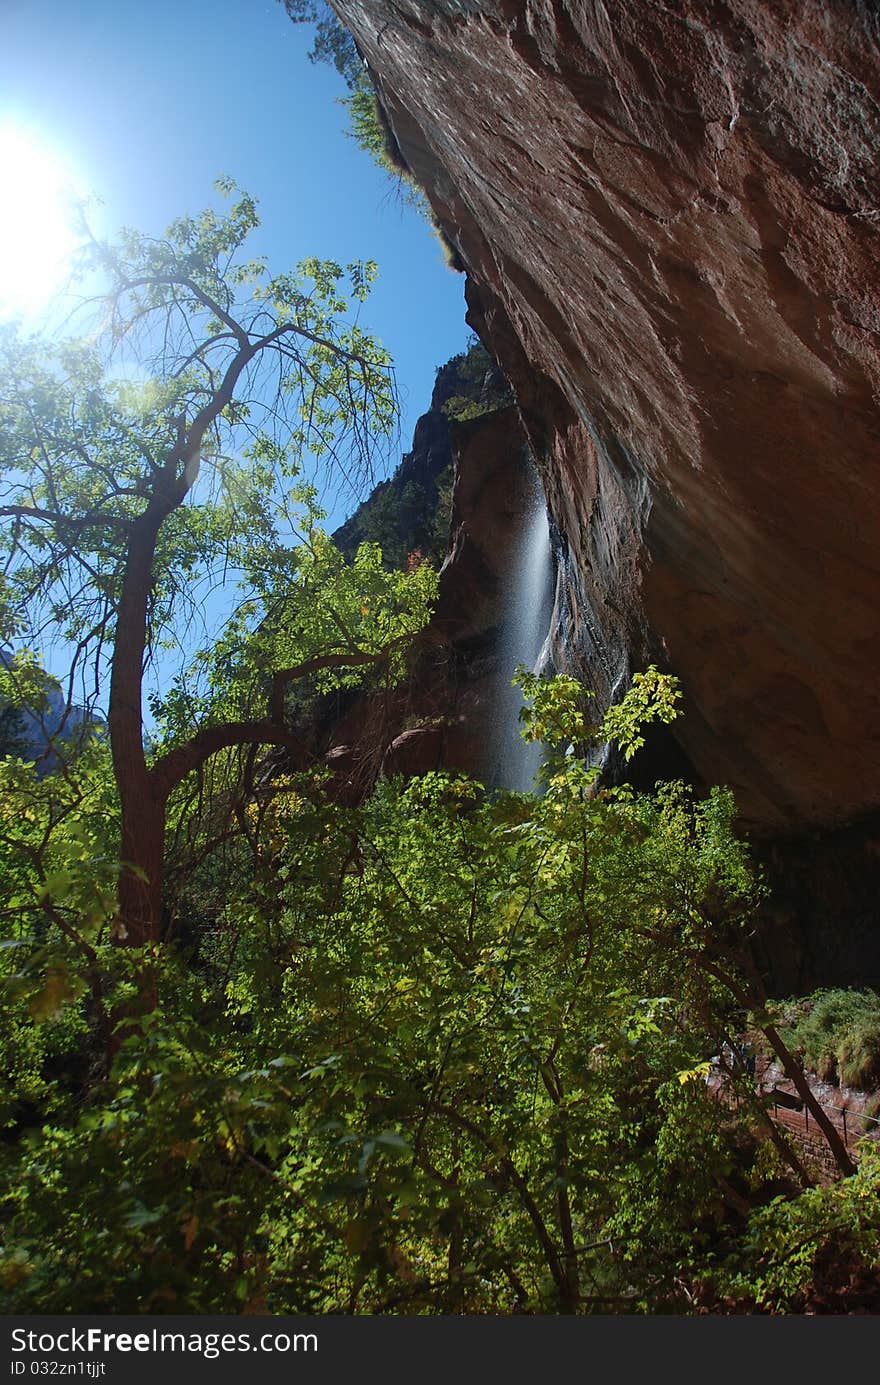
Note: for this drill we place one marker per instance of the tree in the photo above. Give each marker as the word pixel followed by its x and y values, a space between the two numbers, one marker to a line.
pixel 126 500
pixel 333 43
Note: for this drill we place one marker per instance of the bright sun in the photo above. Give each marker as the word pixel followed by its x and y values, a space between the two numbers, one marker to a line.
pixel 36 222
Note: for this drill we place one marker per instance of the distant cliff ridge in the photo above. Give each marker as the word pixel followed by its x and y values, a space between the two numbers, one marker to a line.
pixel 37 733
pixel 409 515
pixel 460 498
pixel 670 219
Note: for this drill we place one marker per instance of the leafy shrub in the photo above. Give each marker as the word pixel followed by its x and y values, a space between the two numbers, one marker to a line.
pixel 818 1253
pixel 374 1083
pixel 871 1116
pixel 369 129
pixel 461 409
pixel 837 1033
pixel 443 1052
pixel 858 1061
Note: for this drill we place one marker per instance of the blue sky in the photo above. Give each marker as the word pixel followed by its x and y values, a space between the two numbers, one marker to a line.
pixel 149 100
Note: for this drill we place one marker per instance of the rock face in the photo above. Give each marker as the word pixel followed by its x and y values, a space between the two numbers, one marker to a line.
pixel 669 214
pixel 446 715
pixel 399 513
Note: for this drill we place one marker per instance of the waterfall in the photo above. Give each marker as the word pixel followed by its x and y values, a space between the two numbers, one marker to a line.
pixel 523 634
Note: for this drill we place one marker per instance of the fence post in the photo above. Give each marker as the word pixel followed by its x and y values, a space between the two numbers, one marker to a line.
pixel 844 1126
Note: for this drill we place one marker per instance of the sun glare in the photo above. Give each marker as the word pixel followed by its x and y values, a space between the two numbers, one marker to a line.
pixel 37 237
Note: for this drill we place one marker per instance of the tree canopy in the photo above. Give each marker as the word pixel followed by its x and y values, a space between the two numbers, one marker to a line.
pixel 169 448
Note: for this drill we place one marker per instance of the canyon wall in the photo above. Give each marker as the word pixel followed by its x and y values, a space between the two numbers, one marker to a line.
pixel 669 215
pixel 446 714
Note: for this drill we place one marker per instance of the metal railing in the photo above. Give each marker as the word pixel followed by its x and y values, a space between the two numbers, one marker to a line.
pixel 797 1104
pixel 844 1111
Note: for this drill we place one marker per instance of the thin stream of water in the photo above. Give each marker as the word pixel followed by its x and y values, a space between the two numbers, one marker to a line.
pixel 523 636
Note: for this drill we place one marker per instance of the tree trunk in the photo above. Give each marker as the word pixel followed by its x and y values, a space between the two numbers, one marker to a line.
pixel 792 1068
pixel 795 1073
pixel 138 921
pixel 139 918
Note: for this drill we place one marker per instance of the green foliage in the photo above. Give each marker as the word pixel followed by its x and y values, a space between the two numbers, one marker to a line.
pixel 440 521
pixel 367 125
pixel 871 1115
pixel 58 873
pixel 12 730
pixel 470 385
pixel 463 410
pixel 837 1034
pixel 652 696
pixel 370 130
pixel 407 518
pixel 130 501
pixel 330 607
pixel 557 715
pixel 439 1053
pixel 817 1253
pixel 24 683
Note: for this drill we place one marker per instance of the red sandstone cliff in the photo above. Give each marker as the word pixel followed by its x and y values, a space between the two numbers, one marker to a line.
pixel 669 214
